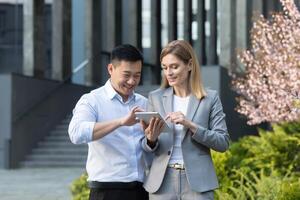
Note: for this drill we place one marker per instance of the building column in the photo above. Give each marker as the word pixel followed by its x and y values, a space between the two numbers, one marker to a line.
pixel 212 58
pixel 155 40
pixel 34 52
pixel 172 20
pixel 227 33
pixel 132 22
pixel 94 69
pixel 111 23
pixel 297 2
pixel 187 21
pixel 61 40
pixel 269 7
pixel 257 6
pixel 242 24
pixel 199 45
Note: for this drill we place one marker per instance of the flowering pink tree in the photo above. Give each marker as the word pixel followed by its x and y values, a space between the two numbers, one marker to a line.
pixel 269 88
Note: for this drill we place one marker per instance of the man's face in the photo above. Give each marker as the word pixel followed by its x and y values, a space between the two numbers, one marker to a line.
pixel 125 76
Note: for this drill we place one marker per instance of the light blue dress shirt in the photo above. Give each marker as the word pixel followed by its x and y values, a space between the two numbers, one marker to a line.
pixel 117 157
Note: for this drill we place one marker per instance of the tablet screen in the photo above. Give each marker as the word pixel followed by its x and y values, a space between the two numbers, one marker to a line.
pixel 146 117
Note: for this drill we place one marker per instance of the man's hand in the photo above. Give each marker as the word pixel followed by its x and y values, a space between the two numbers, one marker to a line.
pixel 130 119
pixel 153 130
pixel 101 129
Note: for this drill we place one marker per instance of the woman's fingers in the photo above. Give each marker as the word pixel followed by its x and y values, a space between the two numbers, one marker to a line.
pixel 176 117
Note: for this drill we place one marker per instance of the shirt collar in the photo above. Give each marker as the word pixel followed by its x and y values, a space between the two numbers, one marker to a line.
pixel 113 94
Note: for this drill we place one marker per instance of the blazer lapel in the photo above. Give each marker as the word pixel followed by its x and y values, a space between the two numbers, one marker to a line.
pixel 191 110
pixel 168 103
pixel 168 100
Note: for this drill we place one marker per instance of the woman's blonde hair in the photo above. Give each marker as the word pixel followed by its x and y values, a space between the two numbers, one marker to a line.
pixel 184 51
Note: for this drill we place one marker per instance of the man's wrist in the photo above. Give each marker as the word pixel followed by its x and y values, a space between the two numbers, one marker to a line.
pixel 121 122
pixel 151 143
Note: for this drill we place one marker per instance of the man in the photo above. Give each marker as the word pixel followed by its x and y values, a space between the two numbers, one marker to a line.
pixel 105 119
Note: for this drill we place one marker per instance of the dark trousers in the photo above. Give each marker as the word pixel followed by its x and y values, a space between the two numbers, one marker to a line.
pixel 117 191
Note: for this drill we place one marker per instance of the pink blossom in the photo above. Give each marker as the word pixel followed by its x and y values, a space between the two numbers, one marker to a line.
pixel 269 89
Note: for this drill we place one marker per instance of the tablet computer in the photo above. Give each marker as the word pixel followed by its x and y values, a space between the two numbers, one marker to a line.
pixel 146 117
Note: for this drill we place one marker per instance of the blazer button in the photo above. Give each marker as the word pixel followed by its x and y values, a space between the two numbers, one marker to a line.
pixel 169 152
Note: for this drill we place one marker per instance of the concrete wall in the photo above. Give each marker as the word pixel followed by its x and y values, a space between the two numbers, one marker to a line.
pixel 30 108
pixel 5 117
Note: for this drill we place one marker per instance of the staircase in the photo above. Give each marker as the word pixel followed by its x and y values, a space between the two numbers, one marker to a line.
pixel 56 150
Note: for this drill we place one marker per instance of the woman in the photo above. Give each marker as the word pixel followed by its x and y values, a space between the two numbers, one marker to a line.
pixel 182 166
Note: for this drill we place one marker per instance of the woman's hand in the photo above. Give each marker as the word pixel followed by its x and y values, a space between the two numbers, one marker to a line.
pixel 179 118
pixel 153 130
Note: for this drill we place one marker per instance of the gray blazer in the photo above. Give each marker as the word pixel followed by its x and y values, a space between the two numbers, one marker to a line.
pixel 212 133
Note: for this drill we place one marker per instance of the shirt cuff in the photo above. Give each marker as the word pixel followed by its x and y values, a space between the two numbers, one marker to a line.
pixel 146 146
pixel 199 135
pixel 87 131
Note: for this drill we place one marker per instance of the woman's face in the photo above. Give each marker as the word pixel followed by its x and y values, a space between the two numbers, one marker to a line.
pixel 175 70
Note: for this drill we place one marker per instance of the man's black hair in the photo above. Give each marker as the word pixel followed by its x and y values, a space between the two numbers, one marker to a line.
pixel 126 52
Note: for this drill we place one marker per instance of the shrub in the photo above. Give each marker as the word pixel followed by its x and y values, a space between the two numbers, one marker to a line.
pixel 272 149
pixel 261 167
pixel 79 188
pixel 290 128
pixel 261 187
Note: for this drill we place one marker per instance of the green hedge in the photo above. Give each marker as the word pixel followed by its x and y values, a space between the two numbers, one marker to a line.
pixel 261 167
pixel 264 167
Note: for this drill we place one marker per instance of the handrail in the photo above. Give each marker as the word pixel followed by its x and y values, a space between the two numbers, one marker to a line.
pixel 80 66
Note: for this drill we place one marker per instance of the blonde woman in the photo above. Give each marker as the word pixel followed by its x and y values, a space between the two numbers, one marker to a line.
pixel 182 166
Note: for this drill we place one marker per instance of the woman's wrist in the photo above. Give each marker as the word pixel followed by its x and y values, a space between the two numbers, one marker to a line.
pixel 192 126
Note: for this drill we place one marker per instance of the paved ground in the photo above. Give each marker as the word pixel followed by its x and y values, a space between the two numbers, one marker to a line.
pixel 37 184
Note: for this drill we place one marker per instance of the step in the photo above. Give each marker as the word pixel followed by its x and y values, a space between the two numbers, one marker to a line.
pixel 66 136
pixel 58 157
pixel 41 164
pixel 69 117
pixel 64 147
pixel 56 150
pixel 66 121
pixel 59 132
pixel 67 144
pixel 53 138
pixel 79 151
pixel 62 126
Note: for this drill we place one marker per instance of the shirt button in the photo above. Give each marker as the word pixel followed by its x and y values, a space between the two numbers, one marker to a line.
pixel 169 152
